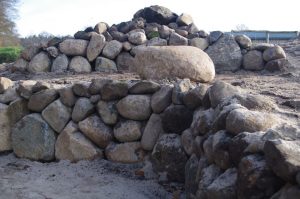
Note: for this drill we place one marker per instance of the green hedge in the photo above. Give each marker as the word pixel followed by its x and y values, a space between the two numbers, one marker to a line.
pixel 9 54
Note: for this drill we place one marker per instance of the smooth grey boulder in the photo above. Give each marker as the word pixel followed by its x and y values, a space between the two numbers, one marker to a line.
pixel 81 89
pixel 161 99
pixel 80 64
pixel 144 87
pixel 108 112
pixel 244 41
pixel 114 90
pixel 95 47
pixel 38 101
pixel 184 19
pixel 273 53
pixel 82 109
pixel 253 60
pixel 214 36
pixel 201 43
pixel 67 96
pixel 137 37
pixel 128 131
pixel 112 49
pixel 39 63
pixel 60 64
pixel 105 65
pixel 33 138
pixel 74 47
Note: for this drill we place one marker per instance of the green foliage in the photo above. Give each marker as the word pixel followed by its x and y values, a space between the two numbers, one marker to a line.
pixel 153 34
pixel 9 54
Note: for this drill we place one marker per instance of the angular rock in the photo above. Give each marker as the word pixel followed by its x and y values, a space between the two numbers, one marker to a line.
pixel 105 65
pixel 114 90
pixel 179 90
pixel 52 51
pixel 177 40
pixel 25 88
pixel 17 109
pixel 220 144
pixel 9 95
pixel 100 27
pixel 80 64
pixel 221 91
pixel 181 32
pixel 199 43
pixel 243 120
pixel 82 109
pixel 95 47
pixel 176 118
pixel 156 14
pixel 135 107
pixel 191 178
pixel 39 63
pixel 224 187
pixel 161 99
pixel 57 115
pixel 244 41
pixel 33 138
pixel 144 87
pixel 214 36
pixel 5 133
pixel 67 96
pixel 168 156
pixel 194 97
pixel 225 54
pixel 273 53
pixel 73 47
pixel 128 131
pixel 129 152
pixel 202 121
pixel 253 60
pixel 184 19
pixel 97 84
pixel 29 52
pixel 187 140
pixel 112 49
pixel 172 61
pixel 152 132
pixel 5 83
pixel 283 157
pixel 38 101
pixel 93 128
pixel 137 38
pixel 164 32
pixel 277 65
pixel 256 179
pixel 60 64
pixel 20 65
pixel 73 146
pixel 108 112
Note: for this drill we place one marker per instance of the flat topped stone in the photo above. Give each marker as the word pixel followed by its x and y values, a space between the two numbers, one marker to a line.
pixel 160 62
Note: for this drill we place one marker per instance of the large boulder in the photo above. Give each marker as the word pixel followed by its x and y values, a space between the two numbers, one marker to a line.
pixel 95 46
pixel 156 14
pixel 226 54
pixel 137 37
pixel 159 62
pixel 33 138
pixel 5 135
pixel 60 64
pixel 105 65
pixel 80 64
pixel 253 60
pixel 135 107
pixel 82 109
pixel 112 49
pixel 39 63
pixel 73 146
pixel 128 131
pixel 244 41
pixel 161 99
pixel 168 156
pixel 38 101
pixel 273 53
pixel 73 47
pixel 108 112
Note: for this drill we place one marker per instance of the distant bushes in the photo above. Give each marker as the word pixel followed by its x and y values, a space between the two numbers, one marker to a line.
pixel 9 54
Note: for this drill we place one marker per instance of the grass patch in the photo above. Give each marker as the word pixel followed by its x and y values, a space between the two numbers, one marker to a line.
pixel 9 54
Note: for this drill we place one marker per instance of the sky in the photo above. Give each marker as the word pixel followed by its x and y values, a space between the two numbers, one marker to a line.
pixel 65 17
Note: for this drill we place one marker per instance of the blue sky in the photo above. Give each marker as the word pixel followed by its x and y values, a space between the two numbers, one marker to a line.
pixel 63 17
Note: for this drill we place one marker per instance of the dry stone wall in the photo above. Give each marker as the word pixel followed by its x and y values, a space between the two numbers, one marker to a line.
pixel 112 48
pixel 219 140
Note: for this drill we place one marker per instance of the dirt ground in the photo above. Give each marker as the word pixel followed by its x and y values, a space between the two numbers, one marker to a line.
pixel 99 179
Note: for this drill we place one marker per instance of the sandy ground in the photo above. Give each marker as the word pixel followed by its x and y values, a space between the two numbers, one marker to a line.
pixel 98 179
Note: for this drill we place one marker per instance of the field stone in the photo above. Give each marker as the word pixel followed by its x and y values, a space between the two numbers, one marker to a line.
pixel 95 47
pixel 67 96
pixel 129 152
pixel 60 63
pixel 112 49
pixel 184 19
pixel 220 144
pixel 253 60
pixel 82 109
pixel 118 36
pixel 80 64
pixel 156 41
pixel 100 27
pixel 187 140
pixel 194 97
pixel 182 32
pixel 20 65
pixel 24 88
pixel 114 90
pixel 127 46
pixel 29 52
pixel 97 84
pixel 152 131
pixel 81 89
pixel 107 112
pixel 57 115
pixel 202 121
pixel 244 41
pixel 224 187
pixel 288 191
pixel 135 107
pixel 98 132
pixel 5 83
pixel 137 38
pixel 176 118
pixel 33 138
pixel 179 90
pixel 95 98
pixel 38 101
pixel 162 98
pixel 144 87
pixel 283 157
pixel 39 86
pixel 243 120
pixel 5 133
pixel 17 109
pixel 168 156
pixel 200 43
pixel 273 53
pixel 73 146
pixel 39 63
pixel 52 51
pixel 73 47
pixel 105 65
pixel 128 131
pixel 125 62
pixel 177 40
pixel 191 177
pixel 208 149
pixel 277 65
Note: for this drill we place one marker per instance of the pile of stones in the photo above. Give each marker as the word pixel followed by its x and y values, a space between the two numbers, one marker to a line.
pixel 219 140
pixel 112 48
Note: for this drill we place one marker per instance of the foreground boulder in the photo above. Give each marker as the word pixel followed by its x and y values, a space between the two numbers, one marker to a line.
pixel 226 54
pixel 160 62
pixel 33 138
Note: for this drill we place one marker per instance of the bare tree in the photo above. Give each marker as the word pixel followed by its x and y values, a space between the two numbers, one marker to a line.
pixel 241 27
pixel 8 13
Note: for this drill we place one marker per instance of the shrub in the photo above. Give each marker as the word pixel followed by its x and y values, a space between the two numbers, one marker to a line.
pixel 9 54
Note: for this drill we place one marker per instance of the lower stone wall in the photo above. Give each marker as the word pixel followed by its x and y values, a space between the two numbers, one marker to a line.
pixel 219 140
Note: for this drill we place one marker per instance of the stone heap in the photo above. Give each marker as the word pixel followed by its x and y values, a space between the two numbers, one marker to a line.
pixel 112 48
pixel 221 141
